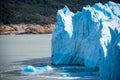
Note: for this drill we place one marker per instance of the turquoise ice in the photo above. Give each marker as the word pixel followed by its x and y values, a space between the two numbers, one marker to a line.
pixel 90 37
pixel 36 69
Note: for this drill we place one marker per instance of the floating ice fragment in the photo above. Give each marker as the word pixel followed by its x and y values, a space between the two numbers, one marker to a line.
pixel 65 74
pixel 29 69
pixel 36 69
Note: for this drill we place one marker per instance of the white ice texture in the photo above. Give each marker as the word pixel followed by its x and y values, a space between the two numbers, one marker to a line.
pixel 90 37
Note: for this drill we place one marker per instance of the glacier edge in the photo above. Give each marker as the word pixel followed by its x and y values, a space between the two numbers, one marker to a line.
pixel 90 37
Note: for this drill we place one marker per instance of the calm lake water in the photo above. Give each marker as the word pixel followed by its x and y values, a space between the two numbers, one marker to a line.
pixel 18 51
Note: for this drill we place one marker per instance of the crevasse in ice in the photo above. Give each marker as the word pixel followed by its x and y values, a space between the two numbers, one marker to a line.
pixel 90 37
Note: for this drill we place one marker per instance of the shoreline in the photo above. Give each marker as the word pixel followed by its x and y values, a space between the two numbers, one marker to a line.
pixel 19 29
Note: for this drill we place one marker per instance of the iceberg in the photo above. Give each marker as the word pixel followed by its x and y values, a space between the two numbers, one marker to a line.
pixel 90 38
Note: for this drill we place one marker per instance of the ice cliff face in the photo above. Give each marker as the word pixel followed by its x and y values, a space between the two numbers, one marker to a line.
pixel 110 43
pixel 90 37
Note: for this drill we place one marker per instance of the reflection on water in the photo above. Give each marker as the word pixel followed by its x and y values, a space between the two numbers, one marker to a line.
pixel 19 51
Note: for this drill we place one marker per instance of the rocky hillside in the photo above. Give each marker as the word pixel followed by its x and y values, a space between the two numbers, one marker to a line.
pixel 26 29
pixel 39 12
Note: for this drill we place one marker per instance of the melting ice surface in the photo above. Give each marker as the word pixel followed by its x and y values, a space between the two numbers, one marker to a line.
pixel 90 37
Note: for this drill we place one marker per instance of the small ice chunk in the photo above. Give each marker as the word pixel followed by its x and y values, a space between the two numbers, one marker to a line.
pixel 29 69
pixel 35 69
pixel 48 68
pixel 45 68
pixel 65 74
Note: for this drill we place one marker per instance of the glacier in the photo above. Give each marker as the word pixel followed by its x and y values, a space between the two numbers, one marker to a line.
pixel 90 37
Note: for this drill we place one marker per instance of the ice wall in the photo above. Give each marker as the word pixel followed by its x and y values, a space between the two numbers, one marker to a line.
pixel 75 36
pixel 90 37
pixel 110 43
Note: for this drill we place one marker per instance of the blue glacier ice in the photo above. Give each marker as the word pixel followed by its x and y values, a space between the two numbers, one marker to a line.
pixel 36 69
pixel 90 37
pixel 29 69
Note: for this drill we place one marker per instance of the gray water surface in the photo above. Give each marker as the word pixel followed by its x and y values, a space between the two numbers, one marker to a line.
pixel 18 51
